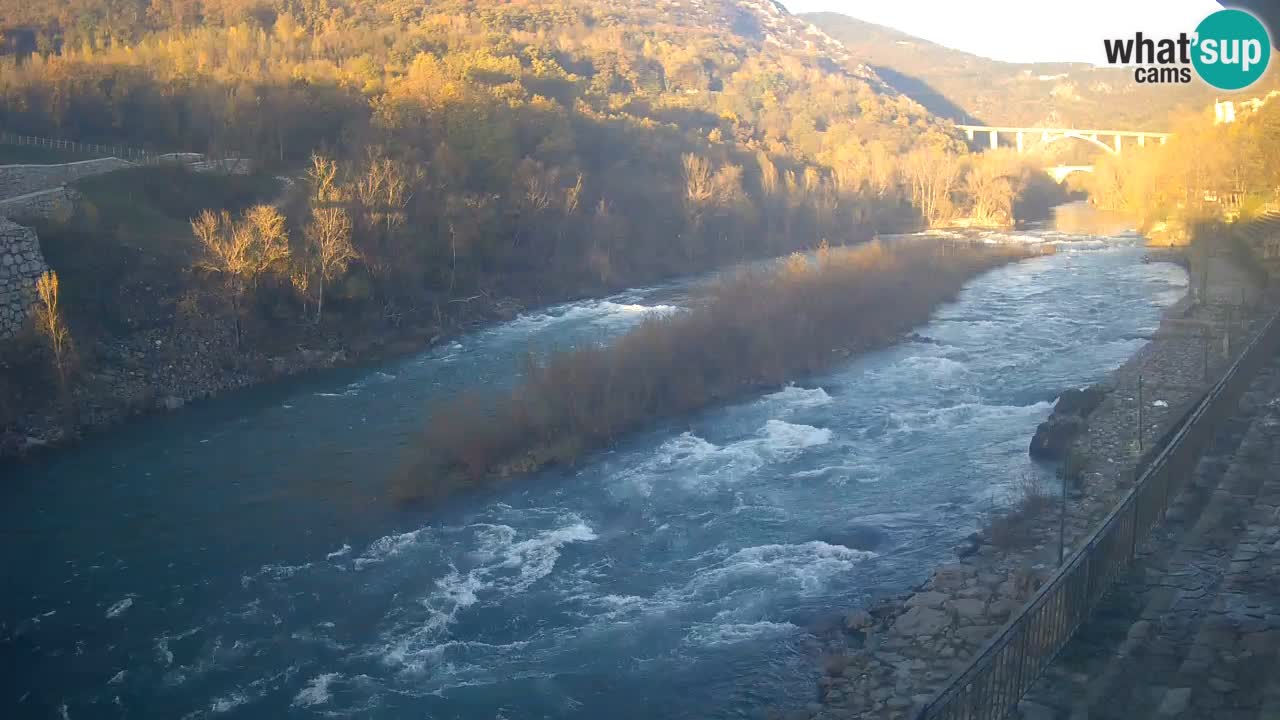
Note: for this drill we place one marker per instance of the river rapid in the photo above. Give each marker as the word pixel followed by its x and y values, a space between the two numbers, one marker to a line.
pixel 241 558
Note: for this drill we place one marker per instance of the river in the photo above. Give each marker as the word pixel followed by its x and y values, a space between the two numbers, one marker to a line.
pixel 241 558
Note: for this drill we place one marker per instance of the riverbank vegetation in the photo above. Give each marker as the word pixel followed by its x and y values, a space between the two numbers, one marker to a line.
pixel 756 328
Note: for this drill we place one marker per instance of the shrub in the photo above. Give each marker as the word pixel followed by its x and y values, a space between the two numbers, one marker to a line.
pixel 1013 527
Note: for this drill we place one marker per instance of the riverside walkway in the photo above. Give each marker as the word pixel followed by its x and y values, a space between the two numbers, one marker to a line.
pixel 1193 630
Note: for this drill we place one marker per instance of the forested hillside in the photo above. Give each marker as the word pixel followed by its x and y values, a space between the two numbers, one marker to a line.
pixel 584 134
pixel 966 87
pixel 455 160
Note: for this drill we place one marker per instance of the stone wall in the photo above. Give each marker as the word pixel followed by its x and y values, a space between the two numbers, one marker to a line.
pixel 17 180
pixel 55 203
pixel 20 264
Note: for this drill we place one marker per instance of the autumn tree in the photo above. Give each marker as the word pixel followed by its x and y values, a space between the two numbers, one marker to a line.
pixel 329 242
pixel 931 175
pixel 382 192
pixel 240 251
pixel 51 325
pixel 990 191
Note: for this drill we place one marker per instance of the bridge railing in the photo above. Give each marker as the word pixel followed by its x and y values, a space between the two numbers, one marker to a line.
pixel 1008 665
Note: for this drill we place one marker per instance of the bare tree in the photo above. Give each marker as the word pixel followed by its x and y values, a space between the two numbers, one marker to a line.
pixel 51 325
pixel 932 175
pixel 240 251
pixel 382 193
pixel 329 238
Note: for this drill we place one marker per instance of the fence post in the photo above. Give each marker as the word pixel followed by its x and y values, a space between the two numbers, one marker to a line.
pixel 1140 416
pixel 1205 341
pixel 1133 528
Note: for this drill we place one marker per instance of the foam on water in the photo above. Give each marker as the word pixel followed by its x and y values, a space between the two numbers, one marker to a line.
pixel 785 437
pixel 865 473
pixel 387 547
pixel 316 692
pixel 962 415
pixel 806 566
pixel 699 465
pixel 799 397
pixel 596 312
pixel 710 634
pixel 119 607
pixel 503 566
pixel 228 702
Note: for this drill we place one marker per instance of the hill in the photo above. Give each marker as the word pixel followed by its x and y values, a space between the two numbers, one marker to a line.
pixel 970 88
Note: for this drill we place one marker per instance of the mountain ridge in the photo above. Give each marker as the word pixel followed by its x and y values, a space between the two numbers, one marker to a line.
pixel 965 87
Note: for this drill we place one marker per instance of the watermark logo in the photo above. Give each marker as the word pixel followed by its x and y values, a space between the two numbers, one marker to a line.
pixel 1230 50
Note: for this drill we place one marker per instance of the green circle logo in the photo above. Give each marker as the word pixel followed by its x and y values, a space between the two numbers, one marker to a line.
pixel 1232 49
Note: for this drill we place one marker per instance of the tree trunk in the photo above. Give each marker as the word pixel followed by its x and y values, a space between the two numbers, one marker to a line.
pixel 320 300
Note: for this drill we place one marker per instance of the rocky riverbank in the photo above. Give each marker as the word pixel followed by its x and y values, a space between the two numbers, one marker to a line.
pixel 163 368
pixel 889 659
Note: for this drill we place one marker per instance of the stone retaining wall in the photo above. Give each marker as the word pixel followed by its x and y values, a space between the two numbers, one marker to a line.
pixel 57 202
pixel 20 264
pixel 18 180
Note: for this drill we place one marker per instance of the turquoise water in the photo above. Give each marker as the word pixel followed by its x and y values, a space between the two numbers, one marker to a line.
pixel 241 559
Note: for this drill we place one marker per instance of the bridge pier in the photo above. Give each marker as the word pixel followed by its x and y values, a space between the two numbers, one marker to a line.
pixel 995 139
pixel 1117 144
pixel 1142 141
pixel 969 132
pixel 1020 141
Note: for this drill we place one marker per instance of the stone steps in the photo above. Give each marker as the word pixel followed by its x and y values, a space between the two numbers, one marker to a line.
pixel 1180 591
pixel 1231 666
pixel 1175 609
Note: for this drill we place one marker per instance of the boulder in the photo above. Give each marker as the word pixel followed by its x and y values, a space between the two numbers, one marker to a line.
pixel 952 577
pixel 857 620
pixel 967 608
pixel 1079 402
pixel 920 621
pixel 977 635
pixel 1002 609
pixel 1053 437
pixel 171 402
pixel 927 599
pixel 970 545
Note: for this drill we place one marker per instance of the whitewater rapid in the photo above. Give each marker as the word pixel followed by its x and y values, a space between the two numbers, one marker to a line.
pixel 242 559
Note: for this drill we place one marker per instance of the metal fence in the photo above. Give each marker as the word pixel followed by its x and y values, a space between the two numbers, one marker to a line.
pixel 120 151
pixel 997 678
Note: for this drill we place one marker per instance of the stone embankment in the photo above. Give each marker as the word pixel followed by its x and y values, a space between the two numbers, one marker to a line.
pixel 1193 630
pixel 20 265
pixel 18 180
pixel 887 660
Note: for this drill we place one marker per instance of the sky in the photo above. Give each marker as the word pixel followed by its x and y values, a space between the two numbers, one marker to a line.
pixel 1024 30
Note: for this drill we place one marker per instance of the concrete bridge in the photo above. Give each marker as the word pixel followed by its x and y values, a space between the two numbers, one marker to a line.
pixel 1060 172
pixel 1051 135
